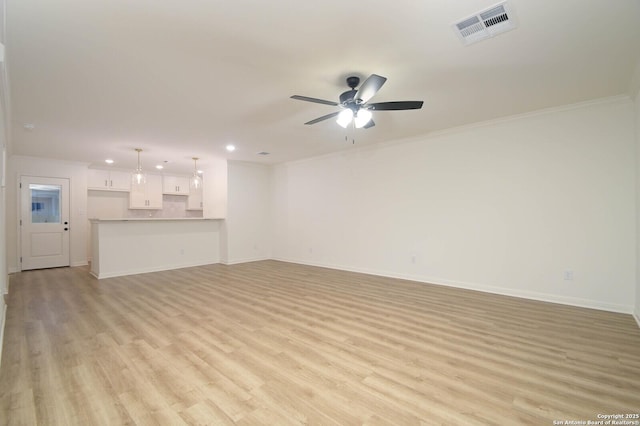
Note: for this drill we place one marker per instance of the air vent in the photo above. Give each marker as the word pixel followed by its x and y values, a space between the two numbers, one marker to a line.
pixel 485 24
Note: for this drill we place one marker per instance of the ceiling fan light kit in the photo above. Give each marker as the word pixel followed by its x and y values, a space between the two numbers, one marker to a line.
pixel 345 117
pixel 362 117
pixel 354 106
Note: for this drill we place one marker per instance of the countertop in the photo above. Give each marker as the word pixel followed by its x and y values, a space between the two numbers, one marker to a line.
pixel 149 219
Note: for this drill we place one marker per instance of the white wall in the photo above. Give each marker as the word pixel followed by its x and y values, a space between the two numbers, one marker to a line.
pixel 4 124
pixel 215 188
pixel 247 229
pixel 504 207
pixel 637 123
pixel 77 175
pixel 4 281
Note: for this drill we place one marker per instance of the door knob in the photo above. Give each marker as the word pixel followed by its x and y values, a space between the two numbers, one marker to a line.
pixel 66 229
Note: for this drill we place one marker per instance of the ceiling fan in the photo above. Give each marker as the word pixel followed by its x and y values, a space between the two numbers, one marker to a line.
pixel 353 103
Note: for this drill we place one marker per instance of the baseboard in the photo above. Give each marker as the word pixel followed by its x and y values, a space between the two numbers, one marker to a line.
pixel 14 270
pixel 531 295
pixel 148 270
pixel 245 260
pixel 170 267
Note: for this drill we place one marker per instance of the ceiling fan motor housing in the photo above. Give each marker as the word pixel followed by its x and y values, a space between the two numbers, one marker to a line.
pixel 353 81
pixel 347 97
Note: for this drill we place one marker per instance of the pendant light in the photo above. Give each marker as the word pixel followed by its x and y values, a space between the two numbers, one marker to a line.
pixel 196 181
pixel 138 177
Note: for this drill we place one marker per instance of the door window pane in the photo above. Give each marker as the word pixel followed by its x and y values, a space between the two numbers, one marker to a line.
pixel 45 203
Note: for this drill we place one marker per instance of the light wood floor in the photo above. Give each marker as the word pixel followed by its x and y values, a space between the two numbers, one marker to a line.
pixel 277 343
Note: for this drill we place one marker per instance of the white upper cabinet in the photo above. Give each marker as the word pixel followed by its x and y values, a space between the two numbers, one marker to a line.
pixel 148 196
pixel 175 185
pixel 194 202
pixel 108 180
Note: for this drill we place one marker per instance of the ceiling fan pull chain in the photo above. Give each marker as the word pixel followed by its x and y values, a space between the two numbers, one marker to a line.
pixel 346 137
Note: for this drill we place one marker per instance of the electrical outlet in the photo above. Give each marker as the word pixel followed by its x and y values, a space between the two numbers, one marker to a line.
pixel 568 275
pixel 413 259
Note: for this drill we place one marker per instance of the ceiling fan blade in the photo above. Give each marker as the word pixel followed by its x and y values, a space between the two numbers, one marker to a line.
pixel 396 106
pixel 324 117
pixel 369 88
pixel 316 100
pixel 369 124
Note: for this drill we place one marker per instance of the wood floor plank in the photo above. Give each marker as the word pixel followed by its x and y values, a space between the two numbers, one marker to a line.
pixel 278 343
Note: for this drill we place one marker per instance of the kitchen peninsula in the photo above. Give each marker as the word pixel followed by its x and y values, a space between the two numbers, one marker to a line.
pixel 138 245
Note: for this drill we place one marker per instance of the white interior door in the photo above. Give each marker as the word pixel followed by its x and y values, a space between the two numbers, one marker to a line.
pixel 44 222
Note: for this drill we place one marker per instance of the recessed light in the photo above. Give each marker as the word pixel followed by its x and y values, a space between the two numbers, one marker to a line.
pixel 231 148
pixel 29 126
pixel 109 161
pixel 159 167
pixel 200 172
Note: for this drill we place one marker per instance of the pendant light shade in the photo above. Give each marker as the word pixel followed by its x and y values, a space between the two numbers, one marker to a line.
pixel 138 177
pixel 196 181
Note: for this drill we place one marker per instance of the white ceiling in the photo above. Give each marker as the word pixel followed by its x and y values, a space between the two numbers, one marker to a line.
pixel 98 78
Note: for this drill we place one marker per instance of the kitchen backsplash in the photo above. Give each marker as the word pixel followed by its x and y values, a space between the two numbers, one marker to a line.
pixel 172 206
pixel 115 205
